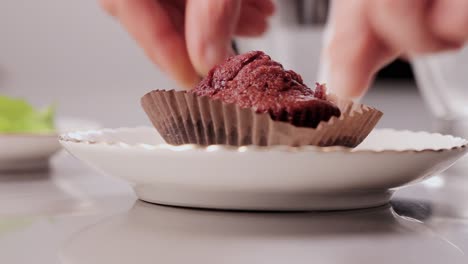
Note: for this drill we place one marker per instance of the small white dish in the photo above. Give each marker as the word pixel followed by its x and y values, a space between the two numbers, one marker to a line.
pixel 29 151
pixel 266 178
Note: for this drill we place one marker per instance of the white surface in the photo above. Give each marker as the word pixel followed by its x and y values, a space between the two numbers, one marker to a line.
pixel 276 178
pixel 362 236
pixel 39 210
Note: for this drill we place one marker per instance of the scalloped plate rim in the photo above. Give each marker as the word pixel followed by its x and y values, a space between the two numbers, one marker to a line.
pixel 70 138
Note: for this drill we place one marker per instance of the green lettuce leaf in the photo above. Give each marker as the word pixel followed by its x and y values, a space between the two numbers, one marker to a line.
pixel 18 116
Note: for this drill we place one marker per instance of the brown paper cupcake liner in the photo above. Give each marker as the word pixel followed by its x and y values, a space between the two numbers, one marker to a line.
pixel 185 118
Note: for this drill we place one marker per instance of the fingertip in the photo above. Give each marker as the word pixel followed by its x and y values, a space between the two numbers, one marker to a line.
pixel 349 69
pixel 175 64
pixel 346 84
pixel 210 26
pixel 212 55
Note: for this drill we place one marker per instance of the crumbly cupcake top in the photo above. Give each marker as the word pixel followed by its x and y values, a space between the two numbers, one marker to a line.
pixel 254 80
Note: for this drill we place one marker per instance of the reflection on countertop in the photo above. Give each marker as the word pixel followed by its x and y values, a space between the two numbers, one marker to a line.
pixel 150 233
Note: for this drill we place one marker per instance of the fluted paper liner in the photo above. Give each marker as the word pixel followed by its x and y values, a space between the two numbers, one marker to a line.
pixel 185 118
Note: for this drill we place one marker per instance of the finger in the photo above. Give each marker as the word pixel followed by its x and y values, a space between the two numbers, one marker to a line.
pixel 349 64
pixel 209 28
pixel 266 7
pixel 402 25
pixel 350 59
pixel 449 20
pixel 157 34
pixel 252 21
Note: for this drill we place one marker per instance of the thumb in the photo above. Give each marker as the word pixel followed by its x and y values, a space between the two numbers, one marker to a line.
pixel 209 28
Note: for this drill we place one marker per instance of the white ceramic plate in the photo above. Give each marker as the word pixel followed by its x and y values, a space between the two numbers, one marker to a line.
pixel 275 178
pixel 29 151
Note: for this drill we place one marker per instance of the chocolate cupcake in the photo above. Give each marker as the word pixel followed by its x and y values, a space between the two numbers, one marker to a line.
pixel 252 100
pixel 254 80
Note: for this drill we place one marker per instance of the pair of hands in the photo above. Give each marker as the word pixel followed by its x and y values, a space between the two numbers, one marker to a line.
pixel 188 37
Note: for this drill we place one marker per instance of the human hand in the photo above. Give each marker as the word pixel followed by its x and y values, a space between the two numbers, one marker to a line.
pixel 186 38
pixel 365 35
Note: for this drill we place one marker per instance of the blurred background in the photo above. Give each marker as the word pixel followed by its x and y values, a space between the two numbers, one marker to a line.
pixel 72 53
